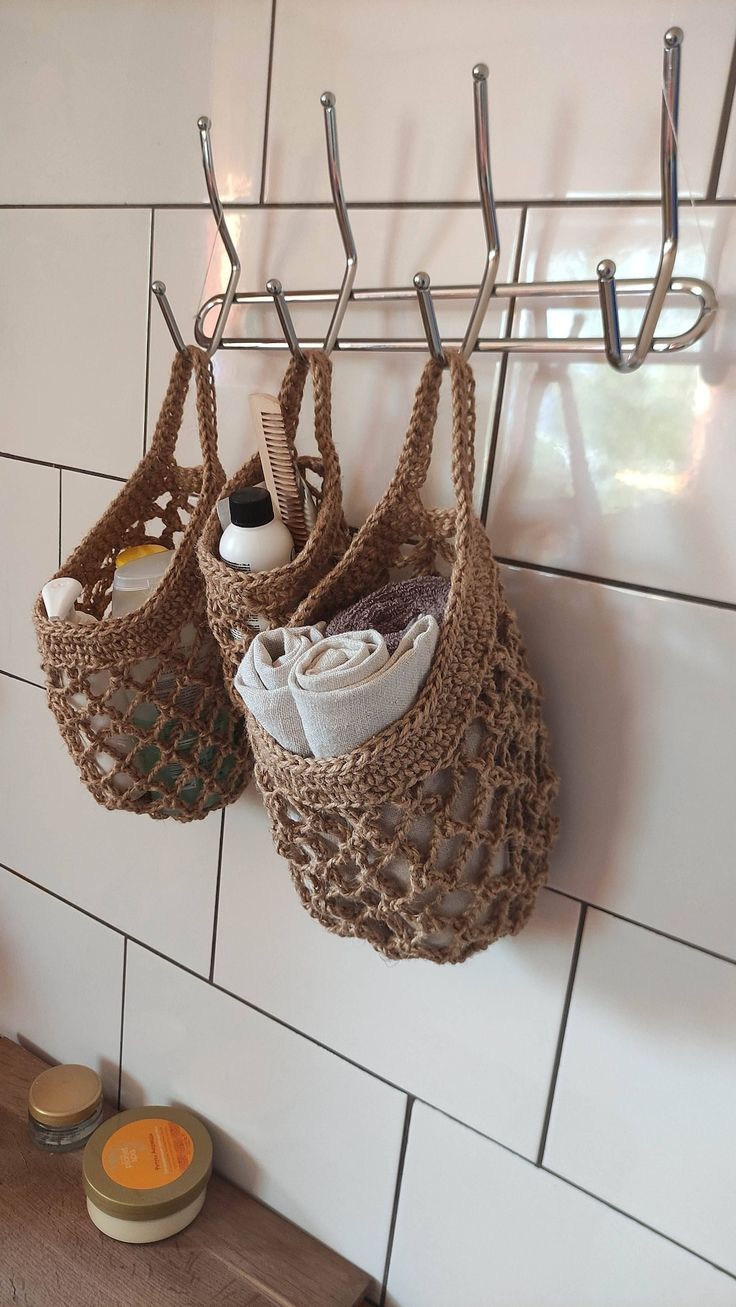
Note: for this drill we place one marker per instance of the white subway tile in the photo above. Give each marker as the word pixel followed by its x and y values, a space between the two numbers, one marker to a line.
pixel 61 978
pixel 152 879
pixel 478 1226
pixel 477 1040
pixel 643 1113
pixel 304 1131
pixel 29 545
pixel 574 100
pixel 100 104
pixel 639 700
pixel 625 477
pixel 372 394
pixel 73 335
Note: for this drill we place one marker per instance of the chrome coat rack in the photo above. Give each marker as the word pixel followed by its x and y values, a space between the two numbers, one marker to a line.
pixel 625 355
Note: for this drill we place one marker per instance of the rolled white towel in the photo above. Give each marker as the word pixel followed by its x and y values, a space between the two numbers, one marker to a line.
pixel 262 681
pixel 348 688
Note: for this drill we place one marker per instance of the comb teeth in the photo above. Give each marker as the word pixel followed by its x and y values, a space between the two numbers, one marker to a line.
pixel 279 468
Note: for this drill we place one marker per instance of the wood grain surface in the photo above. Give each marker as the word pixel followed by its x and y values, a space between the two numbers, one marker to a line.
pixel 237 1253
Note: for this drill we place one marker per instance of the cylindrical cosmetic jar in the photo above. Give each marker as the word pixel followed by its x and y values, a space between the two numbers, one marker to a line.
pixel 64 1107
pixel 145 1173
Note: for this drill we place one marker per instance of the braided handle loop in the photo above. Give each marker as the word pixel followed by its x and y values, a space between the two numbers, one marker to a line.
pixel 416 455
pixel 170 418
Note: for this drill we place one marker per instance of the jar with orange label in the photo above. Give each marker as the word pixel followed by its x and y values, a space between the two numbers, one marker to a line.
pixel 145 1173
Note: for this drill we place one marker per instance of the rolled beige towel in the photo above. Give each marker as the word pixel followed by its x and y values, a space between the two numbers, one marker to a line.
pixel 348 687
pixel 262 681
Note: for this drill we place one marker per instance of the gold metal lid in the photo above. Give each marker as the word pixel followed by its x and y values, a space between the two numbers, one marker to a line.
pixel 147 1162
pixel 64 1095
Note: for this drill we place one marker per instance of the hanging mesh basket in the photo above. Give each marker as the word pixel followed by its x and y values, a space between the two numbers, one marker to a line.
pixel 140 699
pixel 240 603
pixel 430 840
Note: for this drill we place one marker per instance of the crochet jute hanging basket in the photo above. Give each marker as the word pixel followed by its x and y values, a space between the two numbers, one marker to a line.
pixel 140 699
pixel 240 603
pixel 431 839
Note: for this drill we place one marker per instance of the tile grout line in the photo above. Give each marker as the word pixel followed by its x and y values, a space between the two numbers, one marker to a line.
pixel 216 913
pixel 563 1028
pixel 148 329
pixel 496 426
pixel 199 975
pixel 549 202
pixel 410 1100
pixel 60 503
pixel 267 114
pixel 497 1143
pixel 642 925
pixel 722 132
pixel 653 590
pixel 668 1238
pixel 122 1019
pixel 63 467
pixel 13 676
pixel 269 1016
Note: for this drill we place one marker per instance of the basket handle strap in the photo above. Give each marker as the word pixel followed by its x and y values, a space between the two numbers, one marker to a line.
pixel 321 370
pixel 416 454
pixel 170 417
pixel 291 394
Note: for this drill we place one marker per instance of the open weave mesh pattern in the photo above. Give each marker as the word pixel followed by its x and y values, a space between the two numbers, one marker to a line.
pixel 237 601
pixel 140 700
pixel 431 839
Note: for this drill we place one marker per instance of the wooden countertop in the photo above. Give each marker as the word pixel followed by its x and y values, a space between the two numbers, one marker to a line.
pixel 237 1253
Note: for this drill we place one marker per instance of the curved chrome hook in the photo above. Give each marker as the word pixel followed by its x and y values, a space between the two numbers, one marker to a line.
pixel 429 317
pixel 606 270
pixel 488 207
pixel 276 290
pixel 159 290
pixel 327 100
pixel 204 126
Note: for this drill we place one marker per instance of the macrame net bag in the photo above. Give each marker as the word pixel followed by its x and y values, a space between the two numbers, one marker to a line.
pixel 430 840
pixel 241 603
pixel 140 699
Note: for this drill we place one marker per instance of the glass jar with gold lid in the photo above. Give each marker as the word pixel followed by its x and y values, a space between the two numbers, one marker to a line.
pixel 64 1107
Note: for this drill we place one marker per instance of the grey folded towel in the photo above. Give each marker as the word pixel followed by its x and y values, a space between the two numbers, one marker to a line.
pixel 393 608
pixel 262 681
pixel 348 687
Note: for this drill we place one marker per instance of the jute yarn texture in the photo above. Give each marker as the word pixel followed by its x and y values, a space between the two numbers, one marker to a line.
pixel 140 700
pixel 236 601
pixel 431 839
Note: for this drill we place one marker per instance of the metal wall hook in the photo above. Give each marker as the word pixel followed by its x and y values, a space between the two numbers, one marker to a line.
pixel 211 343
pixel 624 355
pixel 327 100
pixel 159 290
pixel 429 317
pixel 276 291
pixel 204 126
pixel 488 208
pixel 606 270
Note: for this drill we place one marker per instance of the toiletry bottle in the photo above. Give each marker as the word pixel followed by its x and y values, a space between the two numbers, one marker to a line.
pixel 256 540
pixel 137 573
pixel 59 596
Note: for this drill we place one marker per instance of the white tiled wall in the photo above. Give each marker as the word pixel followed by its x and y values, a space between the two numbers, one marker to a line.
pixel 603 1056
